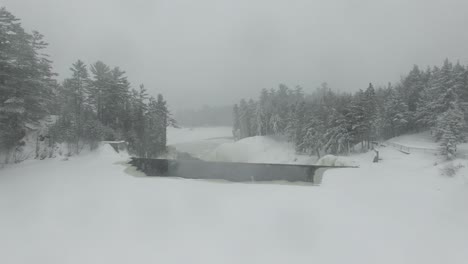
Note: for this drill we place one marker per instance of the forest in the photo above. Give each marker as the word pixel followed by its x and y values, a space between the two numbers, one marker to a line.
pixel 325 121
pixel 97 102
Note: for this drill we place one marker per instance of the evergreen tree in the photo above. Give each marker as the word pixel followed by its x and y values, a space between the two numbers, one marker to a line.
pixel 395 115
pixel 460 82
pixel 313 136
pixel 337 137
pixel 412 86
pixel 295 128
pixel 244 119
pixel 73 111
pixel 236 122
pixel 262 113
pixel 116 99
pixel 139 141
pixel 98 90
pixel 252 110
pixel 450 130
pixel 370 108
pixel 357 116
pixel 25 80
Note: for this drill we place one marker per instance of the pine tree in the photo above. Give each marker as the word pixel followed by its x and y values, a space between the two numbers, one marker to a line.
pixel 295 128
pixel 450 130
pixel 357 116
pixel 313 136
pixel 431 104
pixel 276 124
pixel 236 122
pixel 244 119
pixel 116 98
pixel 396 115
pixel 164 120
pixel 460 82
pixel 139 122
pixel 412 86
pixel 337 137
pixel 370 109
pixel 252 110
pixel 262 113
pixel 99 90
pixel 25 80
pixel 453 118
pixel 73 115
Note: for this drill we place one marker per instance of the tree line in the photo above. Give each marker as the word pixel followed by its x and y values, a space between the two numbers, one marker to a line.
pixel 96 103
pixel 326 121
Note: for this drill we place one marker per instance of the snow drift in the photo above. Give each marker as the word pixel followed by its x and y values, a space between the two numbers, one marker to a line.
pixel 259 149
pixel 332 160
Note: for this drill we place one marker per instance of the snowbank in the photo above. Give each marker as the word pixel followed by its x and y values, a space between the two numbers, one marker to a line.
pixel 107 152
pixel 259 149
pixel 200 141
pixel 425 142
pixel 417 140
pixel 332 160
pixel 190 135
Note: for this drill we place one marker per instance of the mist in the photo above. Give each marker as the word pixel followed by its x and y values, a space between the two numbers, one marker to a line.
pixel 216 52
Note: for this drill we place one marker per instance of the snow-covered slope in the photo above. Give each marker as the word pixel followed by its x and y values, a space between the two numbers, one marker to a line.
pixel 189 135
pixel 425 142
pixel 198 141
pixel 89 210
pixel 418 140
pixel 260 150
pixel 217 144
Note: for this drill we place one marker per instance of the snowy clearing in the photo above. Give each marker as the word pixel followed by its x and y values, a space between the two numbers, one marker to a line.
pixel 88 210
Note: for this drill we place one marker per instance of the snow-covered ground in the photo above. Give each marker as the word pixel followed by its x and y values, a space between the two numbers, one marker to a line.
pixel 198 141
pixel 424 141
pixel 217 144
pixel 259 150
pixel 89 210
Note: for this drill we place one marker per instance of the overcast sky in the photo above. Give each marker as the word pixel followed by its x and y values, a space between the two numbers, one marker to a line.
pixel 217 51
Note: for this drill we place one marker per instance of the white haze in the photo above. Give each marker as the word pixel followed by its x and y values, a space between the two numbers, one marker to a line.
pixel 217 51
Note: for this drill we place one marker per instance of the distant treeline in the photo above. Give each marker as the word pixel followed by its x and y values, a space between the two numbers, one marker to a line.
pixel 331 122
pixel 205 116
pixel 89 106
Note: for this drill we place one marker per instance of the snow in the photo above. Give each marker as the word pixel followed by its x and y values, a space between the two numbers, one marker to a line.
pixel 217 144
pixel 332 160
pixel 199 141
pixel 88 209
pixel 259 150
pixel 418 140
pixel 425 142
pixel 33 146
pixel 188 135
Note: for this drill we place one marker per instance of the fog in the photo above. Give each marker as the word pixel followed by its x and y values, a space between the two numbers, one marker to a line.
pixel 216 51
